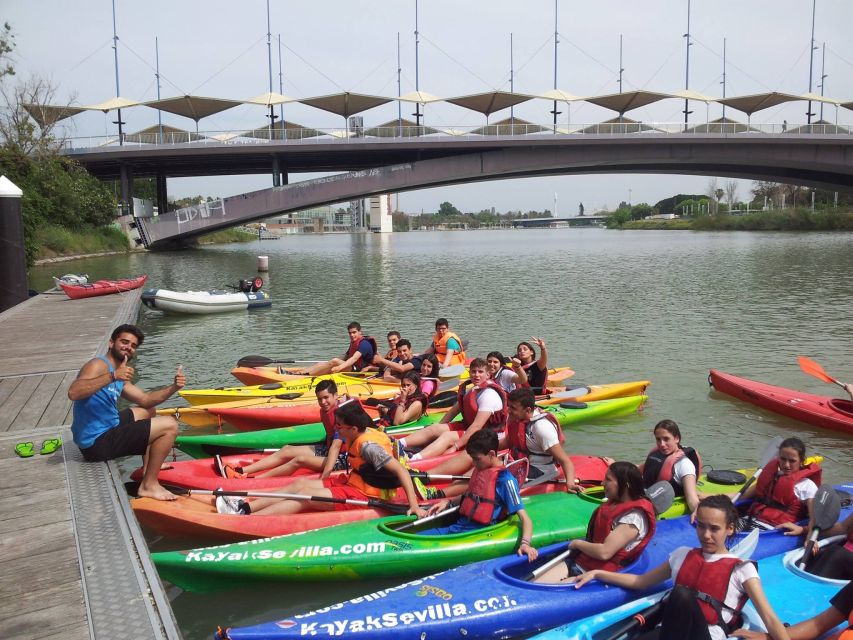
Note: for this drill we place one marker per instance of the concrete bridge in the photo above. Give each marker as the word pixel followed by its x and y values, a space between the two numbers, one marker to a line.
pixel 377 166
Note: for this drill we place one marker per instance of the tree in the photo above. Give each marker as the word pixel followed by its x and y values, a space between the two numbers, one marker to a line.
pixel 731 193
pixel 19 132
pixel 580 209
pixel 445 209
pixel 7 44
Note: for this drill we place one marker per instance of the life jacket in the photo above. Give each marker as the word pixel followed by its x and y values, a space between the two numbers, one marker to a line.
pixel 468 403
pixel 713 578
pixel 659 466
pixel 849 543
pixel 439 346
pixel 847 634
pixel 329 422
pixel 353 347
pixel 479 500
pixel 600 526
pixel 387 418
pixel 536 378
pixel 775 501
pixel 517 432
pixel 364 477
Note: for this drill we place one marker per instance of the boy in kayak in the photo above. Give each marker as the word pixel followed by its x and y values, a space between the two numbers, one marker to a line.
pixel 373 472
pixel 325 457
pixel 405 360
pixel 491 495
pixel 359 354
pixel 482 403
pixel 103 432
pixel 393 338
pixel 446 345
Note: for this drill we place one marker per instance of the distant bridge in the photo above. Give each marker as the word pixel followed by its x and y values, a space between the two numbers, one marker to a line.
pixel 379 166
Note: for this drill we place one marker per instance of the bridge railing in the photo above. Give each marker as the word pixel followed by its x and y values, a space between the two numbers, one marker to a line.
pixel 426 134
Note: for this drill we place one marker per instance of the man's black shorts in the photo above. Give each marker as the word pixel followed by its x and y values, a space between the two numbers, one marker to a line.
pixel 128 438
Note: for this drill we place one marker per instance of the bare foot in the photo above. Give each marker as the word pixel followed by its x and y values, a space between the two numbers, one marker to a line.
pixel 165 466
pixel 157 492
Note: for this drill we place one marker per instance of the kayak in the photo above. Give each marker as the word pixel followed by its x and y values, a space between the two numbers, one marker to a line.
pixel 196 517
pixel 352 385
pixel 375 548
pixel 204 302
pixel 820 411
pixel 204 446
pixel 101 287
pixel 587 393
pixel 490 598
pixel 794 594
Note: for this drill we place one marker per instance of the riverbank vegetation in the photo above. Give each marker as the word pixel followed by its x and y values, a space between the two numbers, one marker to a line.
pixel 227 235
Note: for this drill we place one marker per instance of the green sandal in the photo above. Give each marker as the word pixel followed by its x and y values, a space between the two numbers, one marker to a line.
pixel 50 445
pixel 24 449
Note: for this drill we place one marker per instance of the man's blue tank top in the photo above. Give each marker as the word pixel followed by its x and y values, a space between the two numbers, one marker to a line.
pixel 96 414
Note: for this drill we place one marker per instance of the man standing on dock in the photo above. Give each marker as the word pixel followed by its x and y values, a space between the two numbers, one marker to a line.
pixel 103 432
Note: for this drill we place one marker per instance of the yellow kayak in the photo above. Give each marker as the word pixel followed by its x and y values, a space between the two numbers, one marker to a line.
pixel 595 392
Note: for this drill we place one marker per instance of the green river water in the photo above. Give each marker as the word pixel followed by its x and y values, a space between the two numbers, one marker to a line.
pixel 615 306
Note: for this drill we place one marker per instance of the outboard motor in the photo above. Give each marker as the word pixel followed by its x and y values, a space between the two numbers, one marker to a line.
pixel 251 285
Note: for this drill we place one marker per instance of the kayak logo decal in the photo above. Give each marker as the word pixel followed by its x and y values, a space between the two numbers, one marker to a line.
pixel 428 588
pixel 286 624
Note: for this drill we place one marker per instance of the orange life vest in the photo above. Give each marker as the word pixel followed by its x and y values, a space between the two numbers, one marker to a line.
pixel 478 502
pixel 600 526
pixel 364 476
pixel 775 500
pixel 439 346
pixel 710 582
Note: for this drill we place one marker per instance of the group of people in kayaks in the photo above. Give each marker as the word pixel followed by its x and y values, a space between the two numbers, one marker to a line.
pixel 498 411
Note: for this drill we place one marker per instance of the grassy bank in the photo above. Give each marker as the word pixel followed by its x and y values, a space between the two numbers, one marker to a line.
pixel 787 220
pixel 57 241
pixel 656 225
pixel 227 235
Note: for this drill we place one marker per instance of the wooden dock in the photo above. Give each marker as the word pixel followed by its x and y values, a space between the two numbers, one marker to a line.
pixel 73 562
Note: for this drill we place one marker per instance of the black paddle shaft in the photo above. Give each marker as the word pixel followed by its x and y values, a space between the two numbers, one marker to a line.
pixel 633 624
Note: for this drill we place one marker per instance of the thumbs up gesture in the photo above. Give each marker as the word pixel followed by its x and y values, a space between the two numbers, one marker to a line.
pixel 180 378
pixel 124 372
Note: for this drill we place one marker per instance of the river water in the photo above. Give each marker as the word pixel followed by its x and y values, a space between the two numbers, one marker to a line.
pixel 614 305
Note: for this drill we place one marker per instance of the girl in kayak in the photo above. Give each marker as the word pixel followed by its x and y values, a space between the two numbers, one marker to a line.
pixel 618 531
pixel 410 404
pixel 373 471
pixel 508 379
pixel 833 561
pixel 536 369
pixel 429 375
pixel 669 461
pixel 785 488
pixel 711 585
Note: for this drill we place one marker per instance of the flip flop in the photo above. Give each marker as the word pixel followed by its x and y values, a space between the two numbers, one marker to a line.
pixel 24 449
pixel 50 445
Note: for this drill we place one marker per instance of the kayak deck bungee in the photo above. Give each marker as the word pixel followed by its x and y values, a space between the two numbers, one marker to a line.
pixel 491 598
pixel 195 516
pixel 820 411
pixel 374 549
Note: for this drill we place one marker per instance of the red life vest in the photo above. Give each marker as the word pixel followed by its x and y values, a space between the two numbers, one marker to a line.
pixel 439 347
pixel 601 525
pixel 658 467
pixel 478 502
pixel 364 476
pixel 353 347
pixel 467 399
pixel 775 501
pixel 517 430
pixel 388 418
pixel 713 578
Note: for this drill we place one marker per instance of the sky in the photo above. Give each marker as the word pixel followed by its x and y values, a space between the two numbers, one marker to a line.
pixel 218 48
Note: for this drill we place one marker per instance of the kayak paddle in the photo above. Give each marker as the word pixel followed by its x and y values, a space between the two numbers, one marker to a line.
pixel 263 361
pixel 826 507
pixel 370 502
pixel 435 516
pixel 770 451
pixel 451 372
pixel 650 616
pixel 814 369
pixel 660 494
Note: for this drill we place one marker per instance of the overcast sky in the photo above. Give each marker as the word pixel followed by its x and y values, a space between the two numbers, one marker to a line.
pixel 218 48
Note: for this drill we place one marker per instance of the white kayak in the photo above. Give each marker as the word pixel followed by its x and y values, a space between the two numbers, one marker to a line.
pixel 214 301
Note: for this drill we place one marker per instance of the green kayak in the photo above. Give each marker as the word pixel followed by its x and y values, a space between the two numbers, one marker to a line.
pixel 233 443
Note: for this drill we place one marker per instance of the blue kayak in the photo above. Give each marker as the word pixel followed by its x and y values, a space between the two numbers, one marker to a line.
pixel 488 599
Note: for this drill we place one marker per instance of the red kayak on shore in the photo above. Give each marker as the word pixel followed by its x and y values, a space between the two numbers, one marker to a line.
pixel 820 411
pixel 102 287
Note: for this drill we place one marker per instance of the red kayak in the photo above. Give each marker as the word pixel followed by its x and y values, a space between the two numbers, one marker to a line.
pixel 820 411
pixel 195 516
pixel 102 287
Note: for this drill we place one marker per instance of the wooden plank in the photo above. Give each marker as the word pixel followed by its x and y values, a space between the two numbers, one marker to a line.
pixel 59 408
pixel 42 619
pixel 16 401
pixel 33 409
pixel 7 386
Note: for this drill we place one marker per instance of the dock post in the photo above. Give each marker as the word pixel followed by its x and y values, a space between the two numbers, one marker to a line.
pixel 13 254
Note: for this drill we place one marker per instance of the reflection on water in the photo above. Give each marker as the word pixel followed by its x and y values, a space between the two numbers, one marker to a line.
pixel 616 306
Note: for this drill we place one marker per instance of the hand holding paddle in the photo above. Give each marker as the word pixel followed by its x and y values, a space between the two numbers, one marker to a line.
pixel 826 507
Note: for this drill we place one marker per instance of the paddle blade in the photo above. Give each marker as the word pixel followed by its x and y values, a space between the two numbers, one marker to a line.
pixel 661 495
pixel 254 361
pixel 452 372
pixel 770 451
pixel 826 507
pixel 814 369
pixel 746 547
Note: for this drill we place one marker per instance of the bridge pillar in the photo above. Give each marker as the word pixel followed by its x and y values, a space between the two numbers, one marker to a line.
pixel 276 172
pixel 162 194
pixel 126 179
